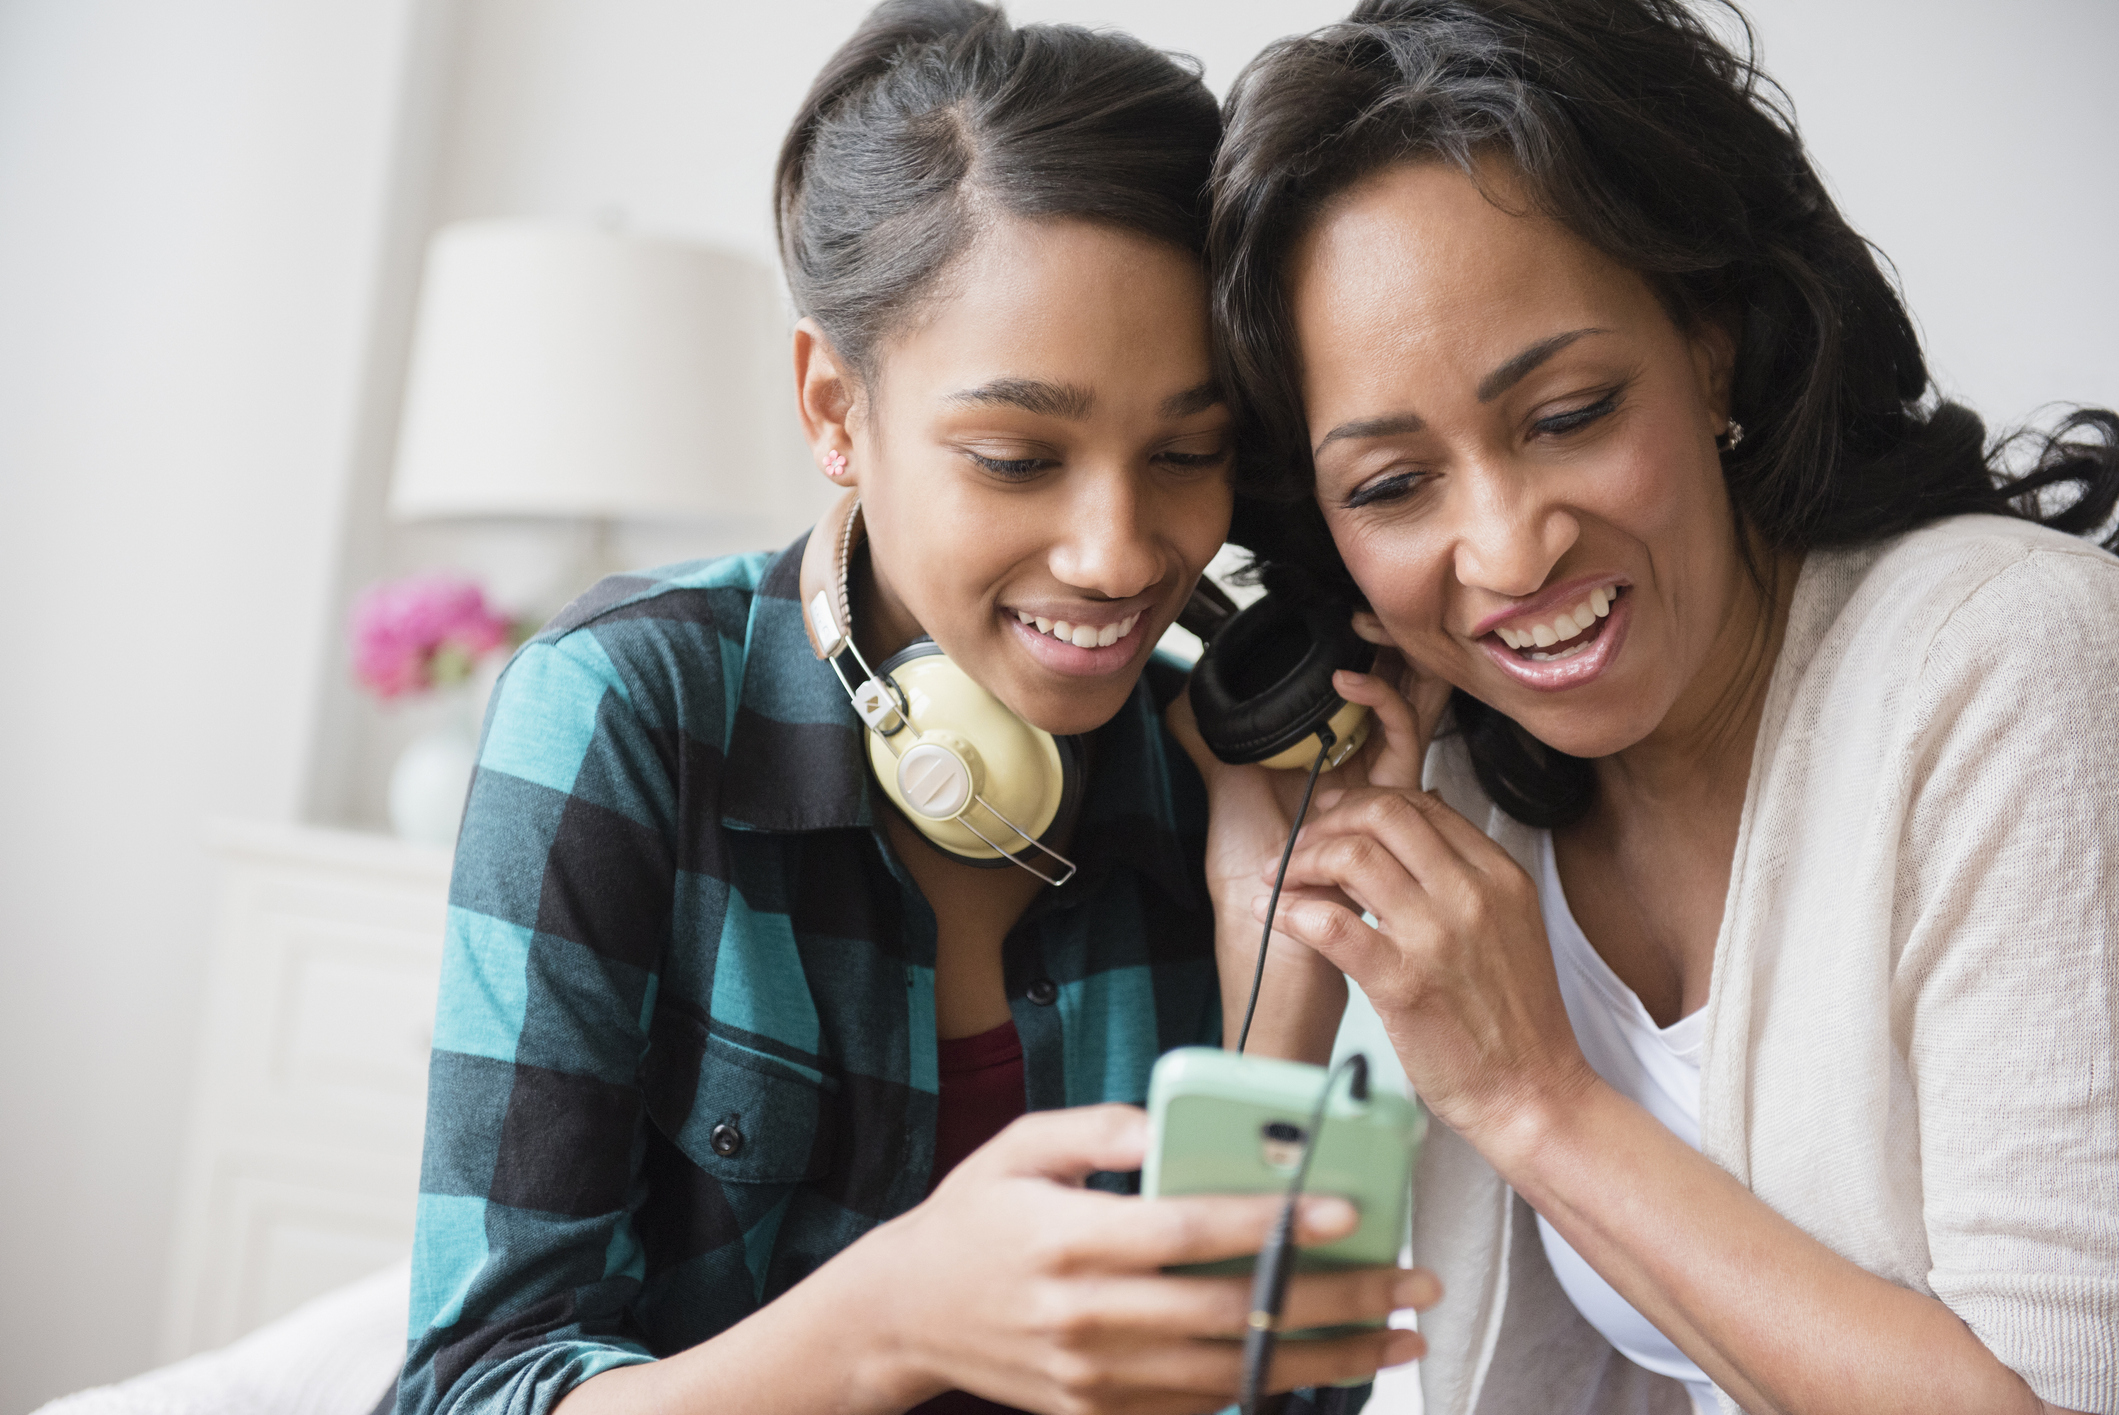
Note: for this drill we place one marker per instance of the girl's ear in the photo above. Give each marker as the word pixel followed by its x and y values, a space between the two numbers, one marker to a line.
pixel 825 399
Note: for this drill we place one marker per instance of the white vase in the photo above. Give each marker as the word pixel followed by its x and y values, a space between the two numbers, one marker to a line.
pixel 431 778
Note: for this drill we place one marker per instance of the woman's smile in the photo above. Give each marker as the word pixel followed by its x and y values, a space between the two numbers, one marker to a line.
pixel 1551 649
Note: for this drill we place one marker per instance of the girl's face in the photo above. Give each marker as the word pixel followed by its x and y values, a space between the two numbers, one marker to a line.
pixel 1515 451
pixel 1042 457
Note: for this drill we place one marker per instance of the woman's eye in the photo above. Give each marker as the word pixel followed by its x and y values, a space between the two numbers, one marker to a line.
pixel 1015 468
pixel 1385 489
pixel 1559 424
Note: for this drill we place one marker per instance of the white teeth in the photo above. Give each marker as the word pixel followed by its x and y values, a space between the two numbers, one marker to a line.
pixel 1556 657
pixel 1564 626
pixel 1086 636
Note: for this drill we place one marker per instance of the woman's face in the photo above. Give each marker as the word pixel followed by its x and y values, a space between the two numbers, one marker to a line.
pixel 1515 451
pixel 1042 458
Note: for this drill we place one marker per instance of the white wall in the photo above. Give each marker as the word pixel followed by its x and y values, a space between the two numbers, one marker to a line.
pixel 209 216
pixel 189 205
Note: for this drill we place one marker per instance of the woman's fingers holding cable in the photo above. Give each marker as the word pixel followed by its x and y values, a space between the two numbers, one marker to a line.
pixel 1456 962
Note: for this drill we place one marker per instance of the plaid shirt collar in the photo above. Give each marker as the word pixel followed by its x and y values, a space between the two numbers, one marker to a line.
pixel 797 760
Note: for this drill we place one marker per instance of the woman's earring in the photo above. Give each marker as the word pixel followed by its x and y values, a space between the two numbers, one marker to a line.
pixel 1731 436
pixel 835 464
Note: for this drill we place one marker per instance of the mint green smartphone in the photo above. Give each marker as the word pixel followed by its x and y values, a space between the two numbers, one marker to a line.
pixel 1219 1123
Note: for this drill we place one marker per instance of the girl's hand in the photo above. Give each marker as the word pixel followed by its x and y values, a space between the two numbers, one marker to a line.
pixel 1457 962
pixel 1014 1282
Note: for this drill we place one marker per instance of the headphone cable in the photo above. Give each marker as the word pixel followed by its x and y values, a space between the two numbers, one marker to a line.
pixel 1326 738
pixel 1276 1263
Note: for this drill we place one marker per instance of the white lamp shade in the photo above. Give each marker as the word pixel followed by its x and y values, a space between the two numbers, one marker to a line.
pixel 572 371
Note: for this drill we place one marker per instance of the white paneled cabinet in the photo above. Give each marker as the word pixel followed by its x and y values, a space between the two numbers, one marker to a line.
pixel 301 1168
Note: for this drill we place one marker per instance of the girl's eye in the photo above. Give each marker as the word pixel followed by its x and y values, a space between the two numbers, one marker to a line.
pixel 1560 424
pixel 1014 468
pixel 1384 490
pixel 1193 461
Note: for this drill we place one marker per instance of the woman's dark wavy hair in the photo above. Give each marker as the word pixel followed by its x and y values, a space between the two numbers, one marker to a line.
pixel 1634 127
pixel 939 115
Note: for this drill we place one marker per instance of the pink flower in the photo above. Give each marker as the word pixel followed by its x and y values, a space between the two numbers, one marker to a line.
pixel 410 633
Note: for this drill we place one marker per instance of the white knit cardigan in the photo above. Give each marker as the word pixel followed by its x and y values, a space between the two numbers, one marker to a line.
pixel 1909 1039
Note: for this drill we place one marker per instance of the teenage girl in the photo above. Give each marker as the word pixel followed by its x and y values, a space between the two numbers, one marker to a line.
pixel 728 1048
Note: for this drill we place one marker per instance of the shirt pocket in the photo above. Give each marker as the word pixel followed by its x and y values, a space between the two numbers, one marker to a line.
pixel 739 1115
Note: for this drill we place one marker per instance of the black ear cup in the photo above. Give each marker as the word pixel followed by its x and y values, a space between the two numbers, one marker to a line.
pixel 1264 683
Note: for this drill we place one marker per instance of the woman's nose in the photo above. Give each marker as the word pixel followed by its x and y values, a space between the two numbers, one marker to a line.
pixel 1107 545
pixel 1509 537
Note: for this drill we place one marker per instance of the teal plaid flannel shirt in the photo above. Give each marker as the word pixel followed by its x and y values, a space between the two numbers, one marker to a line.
pixel 684 1050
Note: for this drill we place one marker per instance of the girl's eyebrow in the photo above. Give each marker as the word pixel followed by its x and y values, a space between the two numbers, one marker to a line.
pixel 1065 400
pixel 1052 400
pixel 1193 400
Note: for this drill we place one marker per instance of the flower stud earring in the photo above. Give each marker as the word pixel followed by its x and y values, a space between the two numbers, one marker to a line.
pixel 835 464
pixel 1731 436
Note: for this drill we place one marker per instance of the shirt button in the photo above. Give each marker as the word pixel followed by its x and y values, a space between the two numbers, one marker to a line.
pixel 726 1139
pixel 1042 991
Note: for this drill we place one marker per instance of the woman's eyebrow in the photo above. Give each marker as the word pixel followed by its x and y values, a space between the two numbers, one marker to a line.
pixel 1518 368
pixel 1052 400
pixel 1390 425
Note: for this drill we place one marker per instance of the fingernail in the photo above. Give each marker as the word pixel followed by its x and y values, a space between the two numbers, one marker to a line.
pixel 1258 907
pixel 1415 1289
pixel 1403 1347
pixel 1329 1216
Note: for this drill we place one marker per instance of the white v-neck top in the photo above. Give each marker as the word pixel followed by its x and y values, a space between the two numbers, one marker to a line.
pixel 1658 1068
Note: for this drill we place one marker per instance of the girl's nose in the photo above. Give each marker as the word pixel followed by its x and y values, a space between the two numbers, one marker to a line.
pixel 1107 544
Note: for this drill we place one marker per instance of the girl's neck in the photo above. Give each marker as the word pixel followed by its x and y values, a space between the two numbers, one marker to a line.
pixel 882 623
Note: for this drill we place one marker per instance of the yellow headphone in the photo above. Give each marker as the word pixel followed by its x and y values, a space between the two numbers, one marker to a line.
pixel 972 777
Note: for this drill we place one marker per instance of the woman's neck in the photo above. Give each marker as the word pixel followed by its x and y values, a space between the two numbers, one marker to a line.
pixel 1700 754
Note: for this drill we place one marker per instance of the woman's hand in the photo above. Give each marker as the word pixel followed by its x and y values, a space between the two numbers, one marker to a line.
pixel 1014 1282
pixel 1457 962
pixel 1251 809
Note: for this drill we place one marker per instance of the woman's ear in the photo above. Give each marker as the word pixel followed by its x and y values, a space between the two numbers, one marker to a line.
pixel 826 401
pixel 1714 363
pixel 1369 627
